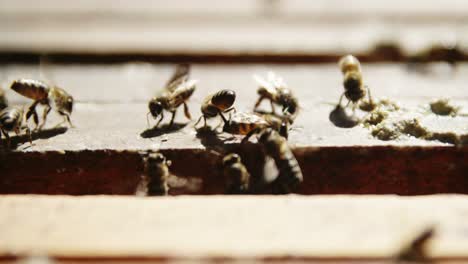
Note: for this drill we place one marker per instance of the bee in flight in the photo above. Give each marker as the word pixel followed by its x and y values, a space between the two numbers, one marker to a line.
pixel 275 89
pixel 276 146
pixel 3 99
pixel 52 97
pixel 236 175
pixel 176 93
pixel 157 170
pixel 11 119
pixel 217 104
pixel 355 90
pixel 246 124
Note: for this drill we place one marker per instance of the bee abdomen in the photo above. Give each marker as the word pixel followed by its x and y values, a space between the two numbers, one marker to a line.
pixel 223 99
pixel 32 89
pixel 9 118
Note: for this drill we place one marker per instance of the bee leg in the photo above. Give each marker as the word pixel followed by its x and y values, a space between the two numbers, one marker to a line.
pixel 147 119
pixel 29 133
pixel 198 121
pixel 172 118
pixel 187 112
pixel 44 116
pixel 258 102
pixel 250 134
pixel 272 107
pixel 32 111
pixel 341 99
pixel 7 138
pixel 371 101
pixel 161 117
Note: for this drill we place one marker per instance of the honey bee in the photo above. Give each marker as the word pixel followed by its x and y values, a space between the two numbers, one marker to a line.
pixel 275 89
pixel 276 146
pixel 177 91
pixel 157 169
pixel 217 104
pixel 416 251
pixel 3 99
pixel 49 96
pixel 11 119
pixel 245 124
pixel 355 90
pixel 236 175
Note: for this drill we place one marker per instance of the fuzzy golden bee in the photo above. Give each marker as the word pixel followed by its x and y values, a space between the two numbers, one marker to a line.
pixel 236 175
pixel 52 97
pixel 157 170
pixel 245 124
pixel 276 91
pixel 3 99
pixel 11 119
pixel 217 104
pixel 176 93
pixel 355 90
pixel 276 146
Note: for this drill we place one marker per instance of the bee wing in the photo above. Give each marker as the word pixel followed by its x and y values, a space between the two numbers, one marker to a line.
pixel 175 95
pixel 180 75
pixel 270 171
pixel 276 81
pixel 44 70
pixel 264 83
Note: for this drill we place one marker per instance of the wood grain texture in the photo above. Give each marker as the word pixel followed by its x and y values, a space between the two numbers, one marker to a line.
pixel 103 154
pixel 228 227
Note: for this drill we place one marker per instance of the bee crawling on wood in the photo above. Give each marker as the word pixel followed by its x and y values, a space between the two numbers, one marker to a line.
pixel 157 170
pixel 355 90
pixel 236 175
pixel 3 99
pixel 217 104
pixel 276 90
pixel 49 96
pixel 176 93
pixel 11 119
pixel 245 124
pixel 276 146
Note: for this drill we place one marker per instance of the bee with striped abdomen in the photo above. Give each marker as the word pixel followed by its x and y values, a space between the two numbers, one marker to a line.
pixel 235 174
pixel 176 93
pixel 355 90
pixel 217 104
pixel 49 96
pixel 245 124
pixel 157 170
pixel 11 119
pixel 276 146
pixel 276 90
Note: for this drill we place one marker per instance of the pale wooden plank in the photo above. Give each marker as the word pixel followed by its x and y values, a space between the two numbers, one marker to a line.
pixel 250 227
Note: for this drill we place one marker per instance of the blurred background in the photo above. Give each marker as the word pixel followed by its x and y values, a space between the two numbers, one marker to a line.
pixel 270 30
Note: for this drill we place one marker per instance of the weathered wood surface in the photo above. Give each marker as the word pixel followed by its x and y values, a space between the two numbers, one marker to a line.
pixel 285 28
pixel 295 227
pixel 103 154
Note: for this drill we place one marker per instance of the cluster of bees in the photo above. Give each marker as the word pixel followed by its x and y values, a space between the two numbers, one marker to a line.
pixel 270 128
pixel 13 119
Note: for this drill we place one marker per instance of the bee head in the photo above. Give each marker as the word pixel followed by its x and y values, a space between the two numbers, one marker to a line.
pixel 68 104
pixel 231 159
pixel 290 105
pixel 155 108
pixel 157 158
pixel 352 81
